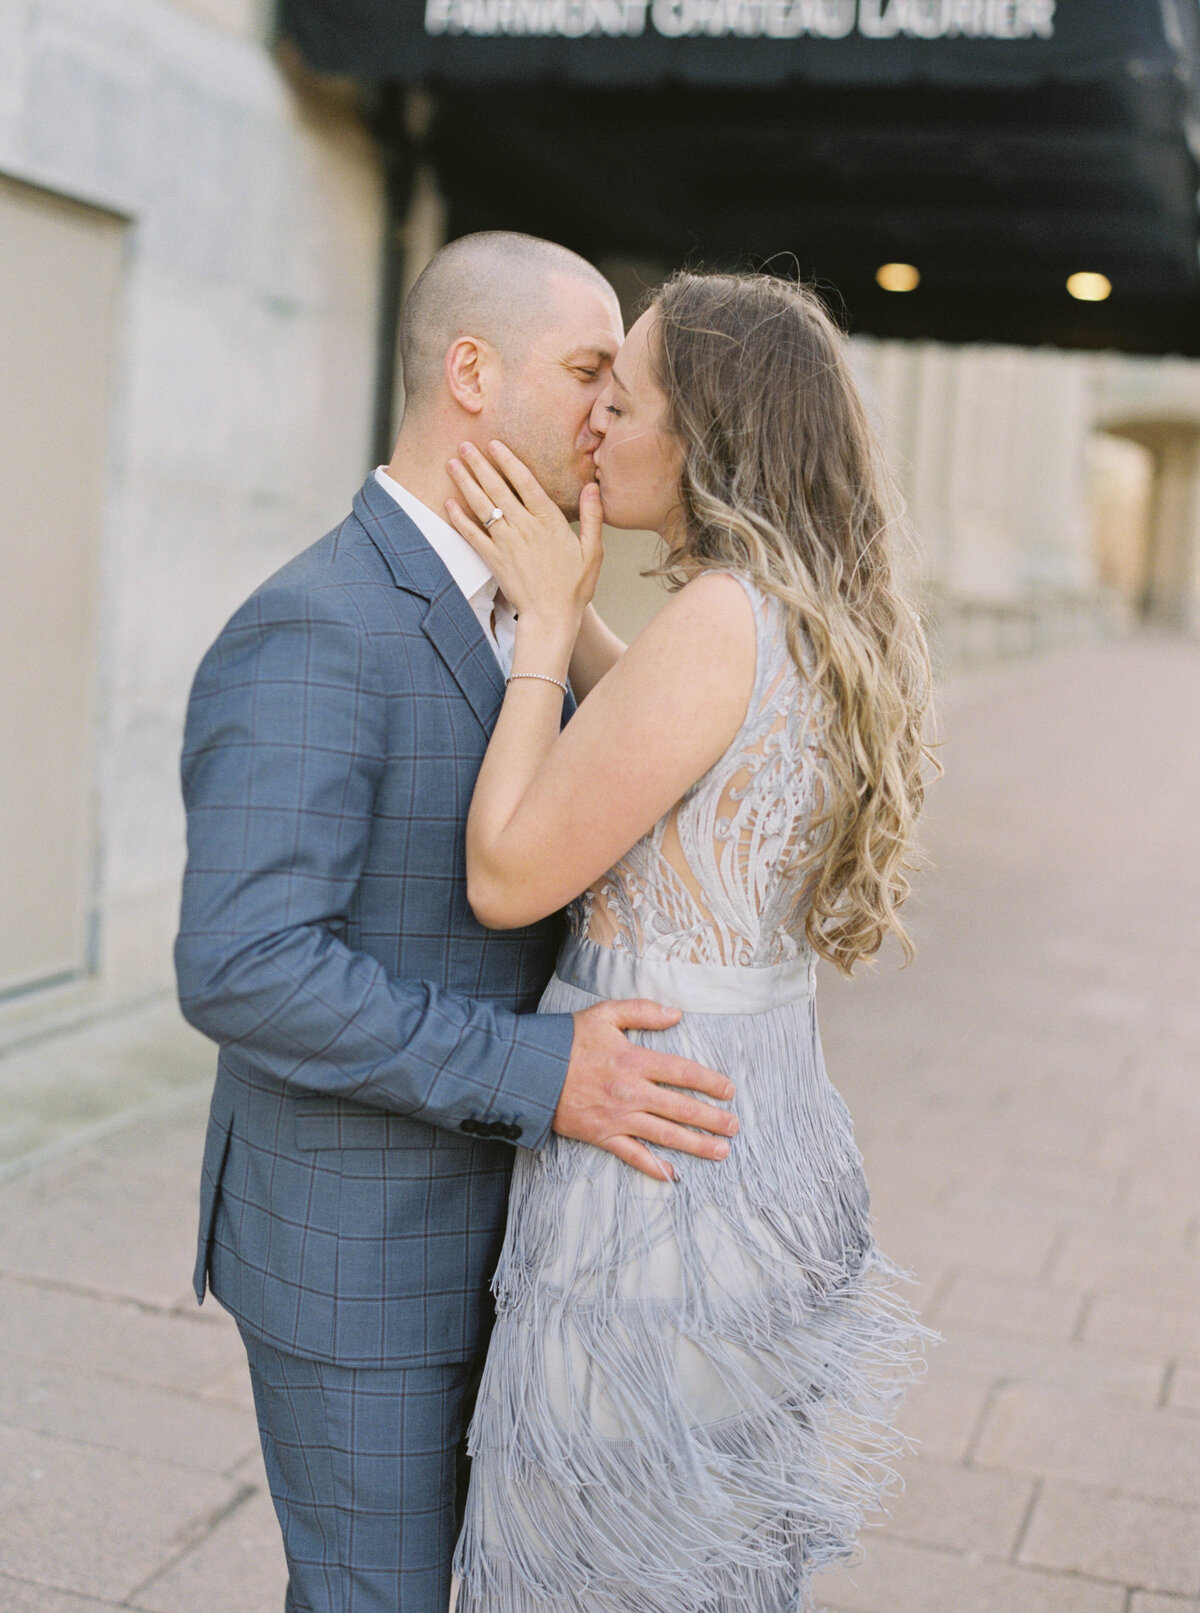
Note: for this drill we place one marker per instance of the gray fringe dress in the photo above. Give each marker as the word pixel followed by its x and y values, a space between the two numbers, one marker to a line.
pixel 686 1402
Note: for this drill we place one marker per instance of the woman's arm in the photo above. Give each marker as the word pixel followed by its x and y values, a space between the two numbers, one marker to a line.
pixel 597 650
pixel 553 811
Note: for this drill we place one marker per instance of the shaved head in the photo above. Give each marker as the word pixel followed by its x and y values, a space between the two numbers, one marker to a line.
pixel 496 285
pixel 511 339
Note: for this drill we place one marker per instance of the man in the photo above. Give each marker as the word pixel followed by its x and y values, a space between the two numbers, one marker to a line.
pixel 379 1049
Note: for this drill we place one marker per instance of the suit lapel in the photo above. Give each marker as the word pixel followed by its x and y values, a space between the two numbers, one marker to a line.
pixel 450 624
pixel 453 629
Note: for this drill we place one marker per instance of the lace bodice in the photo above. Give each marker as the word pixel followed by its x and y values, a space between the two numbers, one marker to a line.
pixel 712 882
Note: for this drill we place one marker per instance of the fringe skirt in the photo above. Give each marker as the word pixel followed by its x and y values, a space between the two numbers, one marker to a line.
pixel 687 1399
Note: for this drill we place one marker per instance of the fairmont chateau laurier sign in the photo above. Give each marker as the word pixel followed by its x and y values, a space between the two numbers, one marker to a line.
pixel 745 19
pixel 627 44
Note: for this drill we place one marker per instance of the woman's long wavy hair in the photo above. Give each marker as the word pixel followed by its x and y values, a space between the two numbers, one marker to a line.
pixel 783 478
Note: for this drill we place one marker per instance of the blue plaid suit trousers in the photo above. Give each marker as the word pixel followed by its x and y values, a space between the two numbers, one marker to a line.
pixel 368 1471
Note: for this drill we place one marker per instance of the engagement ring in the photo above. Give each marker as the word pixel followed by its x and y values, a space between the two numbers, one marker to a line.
pixel 496 515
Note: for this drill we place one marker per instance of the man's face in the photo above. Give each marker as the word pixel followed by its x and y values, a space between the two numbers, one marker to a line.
pixel 542 410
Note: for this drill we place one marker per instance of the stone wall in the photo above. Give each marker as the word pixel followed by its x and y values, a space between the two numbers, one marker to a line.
pixel 245 366
pixel 990 445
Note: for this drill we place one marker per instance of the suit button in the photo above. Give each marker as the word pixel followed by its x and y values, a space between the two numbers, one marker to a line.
pixel 471 1127
pixel 512 1132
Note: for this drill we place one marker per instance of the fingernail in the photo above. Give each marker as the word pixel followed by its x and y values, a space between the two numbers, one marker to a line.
pixel 454 464
pixel 733 1126
pixel 721 1150
pixel 466 448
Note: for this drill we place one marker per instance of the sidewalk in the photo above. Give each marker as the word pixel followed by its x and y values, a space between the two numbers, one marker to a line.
pixel 1027 1102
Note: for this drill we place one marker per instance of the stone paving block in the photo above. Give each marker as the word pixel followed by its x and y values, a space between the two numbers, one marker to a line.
pixel 250 1468
pixel 1025 1310
pixel 233 1387
pixel 1150 1323
pixel 51 1088
pixel 977 1353
pixel 899 1177
pixel 20 1596
pixel 1184 1392
pixel 1159 1231
pixel 972 1142
pixel 118 1338
pixel 1150 1142
pixel 942 1413
pixel 238 1567
pixel 1019 1183
pixel 896 1577
pixel 939 1163
pixel 163 1148
pixel 131 1418
pixel 879 1112
pixel 1110 1536
pixel 946 1504
pixel 1167 1270
pixel 1016 1242
pixel 72 1222
pixel 1144 1451
pixel 78 1518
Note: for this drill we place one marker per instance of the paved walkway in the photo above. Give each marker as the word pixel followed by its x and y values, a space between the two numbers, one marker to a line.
pixel 1026 1099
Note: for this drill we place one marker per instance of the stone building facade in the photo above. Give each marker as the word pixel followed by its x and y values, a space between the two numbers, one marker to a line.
pixel 190 266
pixel 235 212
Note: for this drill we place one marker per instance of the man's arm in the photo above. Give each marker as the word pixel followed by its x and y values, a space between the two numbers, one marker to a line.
pixel 283 752
pixel 597 650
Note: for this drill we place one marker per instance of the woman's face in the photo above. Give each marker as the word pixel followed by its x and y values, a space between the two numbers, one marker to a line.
pixel 638 462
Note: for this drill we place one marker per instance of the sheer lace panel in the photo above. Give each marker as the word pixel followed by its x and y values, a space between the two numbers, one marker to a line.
pixel 712 882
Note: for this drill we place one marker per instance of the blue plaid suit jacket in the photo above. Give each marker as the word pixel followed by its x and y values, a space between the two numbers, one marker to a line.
pixel 379 1050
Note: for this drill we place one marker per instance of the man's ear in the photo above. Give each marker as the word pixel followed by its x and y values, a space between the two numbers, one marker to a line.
pixel 472 371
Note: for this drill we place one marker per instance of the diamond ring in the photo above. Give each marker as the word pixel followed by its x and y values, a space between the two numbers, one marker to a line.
pixel 496 515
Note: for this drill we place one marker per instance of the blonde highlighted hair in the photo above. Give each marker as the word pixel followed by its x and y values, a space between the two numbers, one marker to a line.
pixel 783 479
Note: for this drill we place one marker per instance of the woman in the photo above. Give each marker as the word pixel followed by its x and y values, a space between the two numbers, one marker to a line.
pixel 685 1406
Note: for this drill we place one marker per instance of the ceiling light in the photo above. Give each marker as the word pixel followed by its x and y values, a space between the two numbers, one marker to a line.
pixel 898 277
pixel 1089 287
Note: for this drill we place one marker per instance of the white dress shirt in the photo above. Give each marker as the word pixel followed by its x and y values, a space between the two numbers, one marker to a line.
pixel 468 569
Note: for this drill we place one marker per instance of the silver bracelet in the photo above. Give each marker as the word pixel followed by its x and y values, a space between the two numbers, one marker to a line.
pixel 543 677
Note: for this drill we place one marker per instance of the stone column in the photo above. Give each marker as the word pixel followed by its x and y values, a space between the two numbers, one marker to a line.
pixel 930 433
pixel 1172 591
pixel 1050 530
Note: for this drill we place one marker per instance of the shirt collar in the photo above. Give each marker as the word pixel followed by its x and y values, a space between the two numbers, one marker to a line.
pixel 469 570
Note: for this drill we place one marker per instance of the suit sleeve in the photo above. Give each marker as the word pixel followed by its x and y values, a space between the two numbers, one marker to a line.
pixel 284 747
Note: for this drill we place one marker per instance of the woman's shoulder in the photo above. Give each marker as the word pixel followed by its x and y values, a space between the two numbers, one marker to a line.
pixel 765 620
pixel 723 585
pixel 714 611
pixel 699 651
pixel 724 589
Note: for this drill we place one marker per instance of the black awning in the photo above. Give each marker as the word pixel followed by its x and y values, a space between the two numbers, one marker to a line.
pixel 620 43
pixel 878 131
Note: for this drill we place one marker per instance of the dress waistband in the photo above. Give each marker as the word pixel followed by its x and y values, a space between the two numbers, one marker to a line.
pixel 696 988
